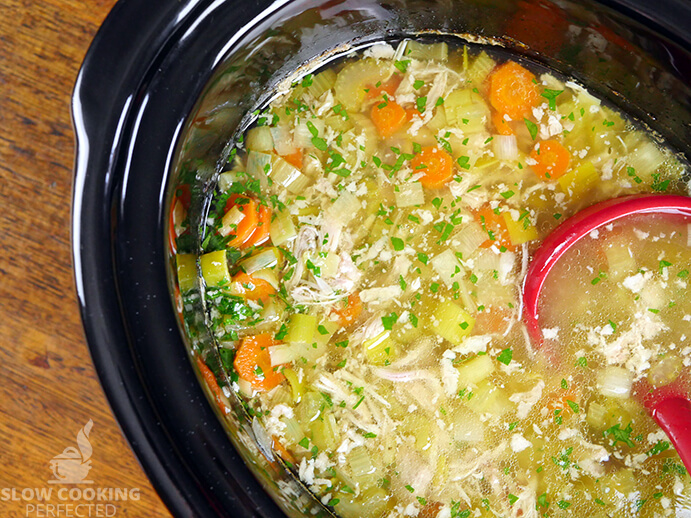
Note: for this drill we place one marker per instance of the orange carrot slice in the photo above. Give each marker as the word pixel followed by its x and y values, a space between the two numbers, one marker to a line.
pixel 388 118
pixel 501 124
pixel 294 159
pixel 513 90
pixel 253 288
pixel 348 310
pixel 253 363
pixel 212 383
pixel 248 224
pixel 495 226
pixel 261 233
pixel 552 159
pixel 388 88
pixel 436 165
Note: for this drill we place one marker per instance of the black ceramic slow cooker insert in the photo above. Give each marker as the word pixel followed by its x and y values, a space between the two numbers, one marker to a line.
pixel 156 67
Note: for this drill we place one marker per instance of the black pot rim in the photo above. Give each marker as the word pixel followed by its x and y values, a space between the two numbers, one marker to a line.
pixel 134 36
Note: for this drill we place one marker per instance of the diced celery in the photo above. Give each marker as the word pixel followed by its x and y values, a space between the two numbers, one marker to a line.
pixel 296 387
pixel 474 371
pixel 338 123
pixel 310 408
pixel 579 180
pixel 364 126
pixel 325 433
pixel 322 82
pixel 447 266
pixel 301 329
pixel 452 322
pixel 215 268
pixel 597 416
pixel 282 228
pixel 293 431
pixel 617 486
pixel 381 349
pixel 357 76
pixel 372 503
pixel 435 51
pixel 409 194
pixel 289 176
pixel 325 330
pixel 362 469
pixel 438 122
pixel 466 109
pixel 327 262
pixel 187 271
pixel 645 159
pixel 468 239
pixel 520 231
pixel 489 399
pixel 480 68
pixel 259 138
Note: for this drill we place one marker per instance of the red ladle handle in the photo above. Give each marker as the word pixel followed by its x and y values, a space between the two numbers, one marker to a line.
pixel 671 412
pixel 674 417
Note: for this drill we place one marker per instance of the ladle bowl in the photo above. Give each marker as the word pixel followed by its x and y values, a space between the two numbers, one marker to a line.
pixel 671 409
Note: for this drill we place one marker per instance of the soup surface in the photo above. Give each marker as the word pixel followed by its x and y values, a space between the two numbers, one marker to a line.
pixel 363 261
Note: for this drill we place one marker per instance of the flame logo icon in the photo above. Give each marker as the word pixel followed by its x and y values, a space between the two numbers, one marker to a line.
pixel 72 465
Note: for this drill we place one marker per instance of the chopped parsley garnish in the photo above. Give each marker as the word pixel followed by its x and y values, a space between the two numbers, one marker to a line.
pixel 505 356
pixel 532 128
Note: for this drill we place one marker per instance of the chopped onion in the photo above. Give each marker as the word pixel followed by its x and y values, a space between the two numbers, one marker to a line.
pixel 230 221
pixel 267 275
pixel 468 428
pixel 258 166
pixel 615 382
pixel 469 239
pixel 344 208
pixel 303 135
pixel 225 180
pixel 265 259
pixel 447 266
pixel 505 147
pixel 409 194
pixel 283 140
pixel 259 138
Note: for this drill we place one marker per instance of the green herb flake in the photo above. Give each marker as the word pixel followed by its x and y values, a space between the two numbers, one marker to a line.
pixel 402 65
pixel 551 96
pixel 389 320
pixel 397 243
pixel 507 194
pixel 418 84
pixel 322 330
pixel 532 128
pixel 512 499
pixel 421 103
pixel 505 356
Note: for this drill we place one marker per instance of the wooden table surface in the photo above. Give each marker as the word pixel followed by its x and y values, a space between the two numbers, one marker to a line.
pixel 48 387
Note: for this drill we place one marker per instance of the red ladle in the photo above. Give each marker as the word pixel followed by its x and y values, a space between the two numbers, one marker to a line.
pixel 670 408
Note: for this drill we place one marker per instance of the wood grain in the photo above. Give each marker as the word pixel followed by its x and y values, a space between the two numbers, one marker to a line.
pixel 48 387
